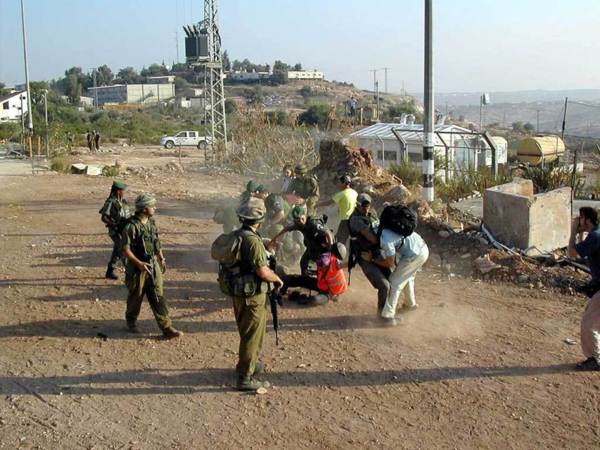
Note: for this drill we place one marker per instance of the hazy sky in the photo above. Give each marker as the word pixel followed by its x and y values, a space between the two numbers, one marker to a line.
pixel 480 45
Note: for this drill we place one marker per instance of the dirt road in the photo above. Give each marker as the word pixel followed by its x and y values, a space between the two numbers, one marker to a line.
pixel 476 366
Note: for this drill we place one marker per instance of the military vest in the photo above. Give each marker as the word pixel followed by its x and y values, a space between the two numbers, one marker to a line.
pixel 145 244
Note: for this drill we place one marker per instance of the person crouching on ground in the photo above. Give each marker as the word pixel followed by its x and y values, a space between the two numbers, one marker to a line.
pixel 145 267
pixel 251 311
pixel 588 248
pixel 407 254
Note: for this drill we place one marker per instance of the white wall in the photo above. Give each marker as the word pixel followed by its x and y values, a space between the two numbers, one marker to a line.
pixel 10 109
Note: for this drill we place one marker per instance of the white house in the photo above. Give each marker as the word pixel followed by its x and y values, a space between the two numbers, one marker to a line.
pixel 390 143
pixel 305 75
pixel 133 93
pixel 11 106
pixel 241 76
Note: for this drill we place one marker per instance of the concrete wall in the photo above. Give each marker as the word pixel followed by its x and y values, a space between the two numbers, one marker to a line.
pixel 517 218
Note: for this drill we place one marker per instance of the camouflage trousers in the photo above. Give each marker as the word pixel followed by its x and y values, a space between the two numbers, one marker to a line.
pixel 139 284
pixel 251 319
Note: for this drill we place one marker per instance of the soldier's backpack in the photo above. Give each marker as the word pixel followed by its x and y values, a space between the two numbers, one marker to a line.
pixel 226 250
pixel 399 219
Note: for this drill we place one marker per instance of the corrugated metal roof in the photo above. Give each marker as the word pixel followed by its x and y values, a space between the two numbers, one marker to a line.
pixel 410 133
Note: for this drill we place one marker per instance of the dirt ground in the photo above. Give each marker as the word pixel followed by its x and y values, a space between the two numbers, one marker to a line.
pixel 478 365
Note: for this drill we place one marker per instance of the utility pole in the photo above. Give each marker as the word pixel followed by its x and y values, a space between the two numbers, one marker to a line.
pixel 377 96
pixel 95 81
pixel 428 125
pixel 537 128
pixel 46 119
pixel 564 123
pixel 385 71
pixel 29 118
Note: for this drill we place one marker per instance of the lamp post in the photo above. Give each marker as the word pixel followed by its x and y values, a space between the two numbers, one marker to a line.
pixel 428 123
pixel 46 119
pixel 29 118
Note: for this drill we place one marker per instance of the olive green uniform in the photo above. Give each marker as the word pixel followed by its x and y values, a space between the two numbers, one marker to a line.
pixel 143 241
pixel 115 213
pixel 251 312
pixel 306 187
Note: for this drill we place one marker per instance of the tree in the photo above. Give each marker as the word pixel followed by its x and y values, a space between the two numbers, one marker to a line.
pixel 518 127
pixel 154 70
pixel 305 91
pixel 104 76
pixel 315 115
pixel 528 127
pixel 73 88
pixel 297 67
pixel 226 62
pixel 405 107
pixel 181 85
pixel 3 90
pixel 128 75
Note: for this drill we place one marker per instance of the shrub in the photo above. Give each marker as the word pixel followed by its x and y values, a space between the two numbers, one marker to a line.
pixel 409 172
pixel 315 115
pixel 60 163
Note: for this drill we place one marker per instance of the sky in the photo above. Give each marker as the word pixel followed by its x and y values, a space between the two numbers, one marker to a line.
pixel 479 45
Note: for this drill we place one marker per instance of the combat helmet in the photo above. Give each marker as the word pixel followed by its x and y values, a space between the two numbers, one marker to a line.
pixel 145 200
pixel 300 169
pixel 252 209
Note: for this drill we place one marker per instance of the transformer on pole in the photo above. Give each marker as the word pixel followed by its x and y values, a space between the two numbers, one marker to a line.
pixel 203 49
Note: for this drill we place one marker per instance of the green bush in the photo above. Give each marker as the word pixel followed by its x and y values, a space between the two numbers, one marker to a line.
pixel 60 163
pixel 9 131
pixel 551 176
pixel 410 173
pixel 315 115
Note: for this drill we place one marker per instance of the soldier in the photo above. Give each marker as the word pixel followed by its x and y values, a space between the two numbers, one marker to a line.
pixel 317 238
pixel 363 225
pixel 145 267
pixel 227 215
pixel 251 311
pixel 96 140
pixel 115 213
pixel 306 187
pixel 90 140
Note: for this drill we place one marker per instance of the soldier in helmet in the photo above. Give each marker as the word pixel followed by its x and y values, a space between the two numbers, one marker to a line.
pixel 114 214
pixel 227 216
pixel 251 310
pixel 306 187
pixel 145 267
pixel 317 238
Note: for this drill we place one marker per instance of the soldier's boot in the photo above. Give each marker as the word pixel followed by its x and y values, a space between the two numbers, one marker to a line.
pixel 133 328
pixel 259 368
pixel 172 333
pixel 110 274
pixel 250 384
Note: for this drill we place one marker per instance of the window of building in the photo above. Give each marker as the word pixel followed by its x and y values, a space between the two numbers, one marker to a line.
pixel 390 155
pixel 5 105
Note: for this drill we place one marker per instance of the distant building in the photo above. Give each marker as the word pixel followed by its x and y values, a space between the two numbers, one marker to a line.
pixel 163 79
pixel 305 75
pixel 13 106
pixel 248 77
pixel 133 93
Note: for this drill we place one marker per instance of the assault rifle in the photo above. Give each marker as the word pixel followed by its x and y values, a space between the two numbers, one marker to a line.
pixel 275 299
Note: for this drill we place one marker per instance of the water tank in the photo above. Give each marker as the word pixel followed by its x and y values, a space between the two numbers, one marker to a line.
pixel 536 150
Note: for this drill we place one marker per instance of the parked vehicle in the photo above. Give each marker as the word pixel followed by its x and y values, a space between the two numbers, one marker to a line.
pixel 185 139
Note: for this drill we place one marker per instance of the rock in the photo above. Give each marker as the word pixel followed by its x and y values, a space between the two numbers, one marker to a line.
pixel 485 265
pixel 435 260
pixel 570 341
pixel 397 194
pixel 261 391
pixel 444 234
pixel 523 279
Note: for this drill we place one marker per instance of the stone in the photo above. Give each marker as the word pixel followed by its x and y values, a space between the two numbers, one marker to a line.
pixel 444 234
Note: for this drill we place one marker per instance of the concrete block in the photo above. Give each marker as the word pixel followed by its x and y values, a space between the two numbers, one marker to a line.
pixel 518 218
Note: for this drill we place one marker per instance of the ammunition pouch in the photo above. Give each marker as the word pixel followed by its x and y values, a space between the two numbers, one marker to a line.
pixel 234 283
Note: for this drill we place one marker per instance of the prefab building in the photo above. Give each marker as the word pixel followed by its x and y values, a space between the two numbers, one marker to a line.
pixel 392 143
pixel 133 93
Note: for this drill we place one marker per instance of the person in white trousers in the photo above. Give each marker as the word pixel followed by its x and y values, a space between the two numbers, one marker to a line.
pixel 407 255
